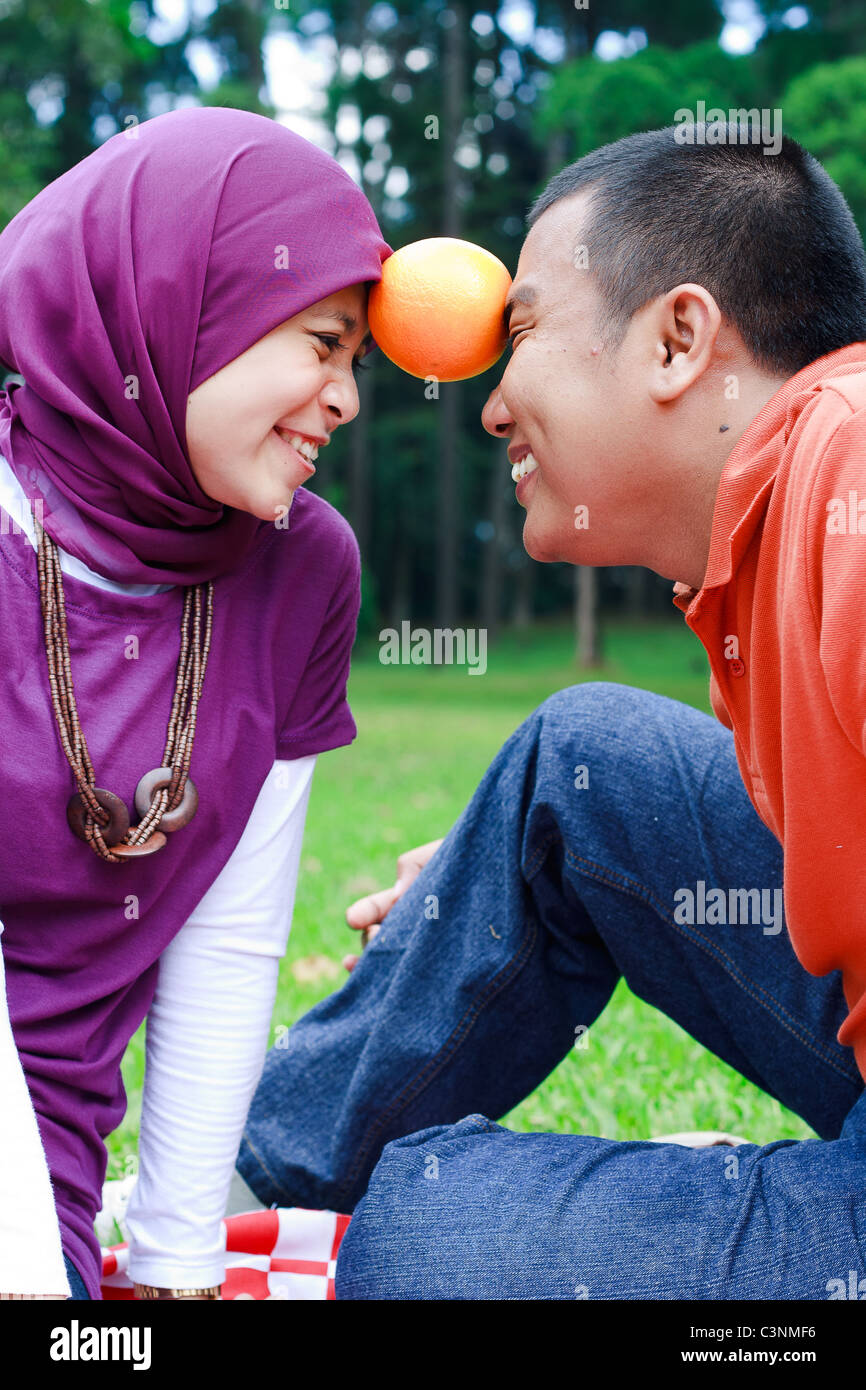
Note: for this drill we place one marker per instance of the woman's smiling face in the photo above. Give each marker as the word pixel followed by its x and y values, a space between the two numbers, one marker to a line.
pixel 297 380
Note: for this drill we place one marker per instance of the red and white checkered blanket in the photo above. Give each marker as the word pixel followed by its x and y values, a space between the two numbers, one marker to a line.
pixel 286 1253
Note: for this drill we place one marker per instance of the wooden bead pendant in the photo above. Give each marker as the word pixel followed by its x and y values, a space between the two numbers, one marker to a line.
pixel 76 812
pixel 153 781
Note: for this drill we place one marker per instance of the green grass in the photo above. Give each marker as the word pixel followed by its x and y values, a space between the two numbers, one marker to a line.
pixel 425 737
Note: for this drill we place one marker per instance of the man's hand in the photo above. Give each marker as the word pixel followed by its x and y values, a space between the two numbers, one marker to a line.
pixel 367 913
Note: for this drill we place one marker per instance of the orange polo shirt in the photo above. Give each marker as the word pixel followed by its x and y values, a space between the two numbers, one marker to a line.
pixel 782 615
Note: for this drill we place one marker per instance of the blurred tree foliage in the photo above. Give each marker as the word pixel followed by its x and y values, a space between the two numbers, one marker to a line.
pixel 825 109
pixel 74 71
pixel 71 73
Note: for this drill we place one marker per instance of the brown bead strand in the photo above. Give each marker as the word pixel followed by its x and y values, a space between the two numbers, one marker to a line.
pixel 189 680
pixel 179 741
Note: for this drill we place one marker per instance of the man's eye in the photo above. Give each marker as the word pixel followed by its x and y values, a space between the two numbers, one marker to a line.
pixel 512 337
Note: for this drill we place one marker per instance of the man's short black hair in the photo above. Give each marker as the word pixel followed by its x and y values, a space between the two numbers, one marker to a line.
pixel 770 236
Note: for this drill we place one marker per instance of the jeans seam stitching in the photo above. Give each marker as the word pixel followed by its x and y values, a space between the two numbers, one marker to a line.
pixel 262 1165
pixel 602 875
pixel 445 1053
pixel 539 855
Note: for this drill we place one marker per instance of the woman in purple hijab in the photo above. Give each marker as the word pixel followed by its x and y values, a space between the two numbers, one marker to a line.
pixel 186 308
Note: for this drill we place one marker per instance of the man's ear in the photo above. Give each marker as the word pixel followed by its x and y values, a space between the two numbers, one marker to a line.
pixel 684 325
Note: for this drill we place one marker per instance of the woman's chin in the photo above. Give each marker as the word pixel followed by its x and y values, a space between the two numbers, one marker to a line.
pixel 280 507
pixel 273 506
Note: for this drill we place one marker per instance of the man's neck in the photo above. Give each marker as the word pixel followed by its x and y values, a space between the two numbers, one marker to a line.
pixel 697 518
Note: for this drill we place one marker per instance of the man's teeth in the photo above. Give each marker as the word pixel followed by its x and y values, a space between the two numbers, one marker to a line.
pixel 526 465
pixel 304 446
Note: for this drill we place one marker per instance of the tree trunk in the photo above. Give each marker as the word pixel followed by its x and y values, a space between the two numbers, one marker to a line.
pixel 449 520
pixel 585 605
pixel 251 36
pixel 400 593
pixel 524 587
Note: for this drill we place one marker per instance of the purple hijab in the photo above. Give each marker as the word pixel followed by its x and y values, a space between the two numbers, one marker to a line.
pixel 162 256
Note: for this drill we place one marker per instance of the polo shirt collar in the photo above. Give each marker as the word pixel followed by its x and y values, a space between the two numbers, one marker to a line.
pixel 749 474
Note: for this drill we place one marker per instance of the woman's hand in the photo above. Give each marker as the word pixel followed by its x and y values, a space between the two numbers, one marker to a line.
pixel 367 913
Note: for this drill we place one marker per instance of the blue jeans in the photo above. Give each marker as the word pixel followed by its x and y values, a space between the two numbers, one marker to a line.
pixel 509 943
pixel 76 1283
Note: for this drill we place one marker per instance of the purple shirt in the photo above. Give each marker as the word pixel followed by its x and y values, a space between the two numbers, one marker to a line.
pixel 81 966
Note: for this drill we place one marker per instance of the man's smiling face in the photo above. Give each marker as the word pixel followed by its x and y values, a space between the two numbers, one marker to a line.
pixel 581 414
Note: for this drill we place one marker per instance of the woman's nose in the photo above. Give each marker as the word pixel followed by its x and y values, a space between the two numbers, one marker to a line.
pixel 495 417
pixel 340 397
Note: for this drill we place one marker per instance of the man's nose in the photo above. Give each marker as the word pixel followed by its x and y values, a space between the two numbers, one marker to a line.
pixel 495 417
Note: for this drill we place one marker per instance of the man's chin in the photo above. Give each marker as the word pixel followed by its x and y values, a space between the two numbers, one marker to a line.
pixel 559 543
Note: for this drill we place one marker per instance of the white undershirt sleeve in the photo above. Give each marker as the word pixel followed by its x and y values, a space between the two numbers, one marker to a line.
pixel 31 1256
pixel 207 1036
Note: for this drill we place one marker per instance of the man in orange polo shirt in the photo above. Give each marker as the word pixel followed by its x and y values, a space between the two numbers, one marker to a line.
pixel 686 391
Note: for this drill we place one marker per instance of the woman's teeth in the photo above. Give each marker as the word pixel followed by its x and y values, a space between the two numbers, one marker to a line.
pixel 526 465
pixel 304 446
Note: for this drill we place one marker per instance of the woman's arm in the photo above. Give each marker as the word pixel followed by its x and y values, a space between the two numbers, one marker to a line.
pixel 31 1257
pixel 207 1035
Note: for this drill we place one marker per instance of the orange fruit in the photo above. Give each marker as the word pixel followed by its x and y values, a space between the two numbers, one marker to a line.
pixel 437 311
